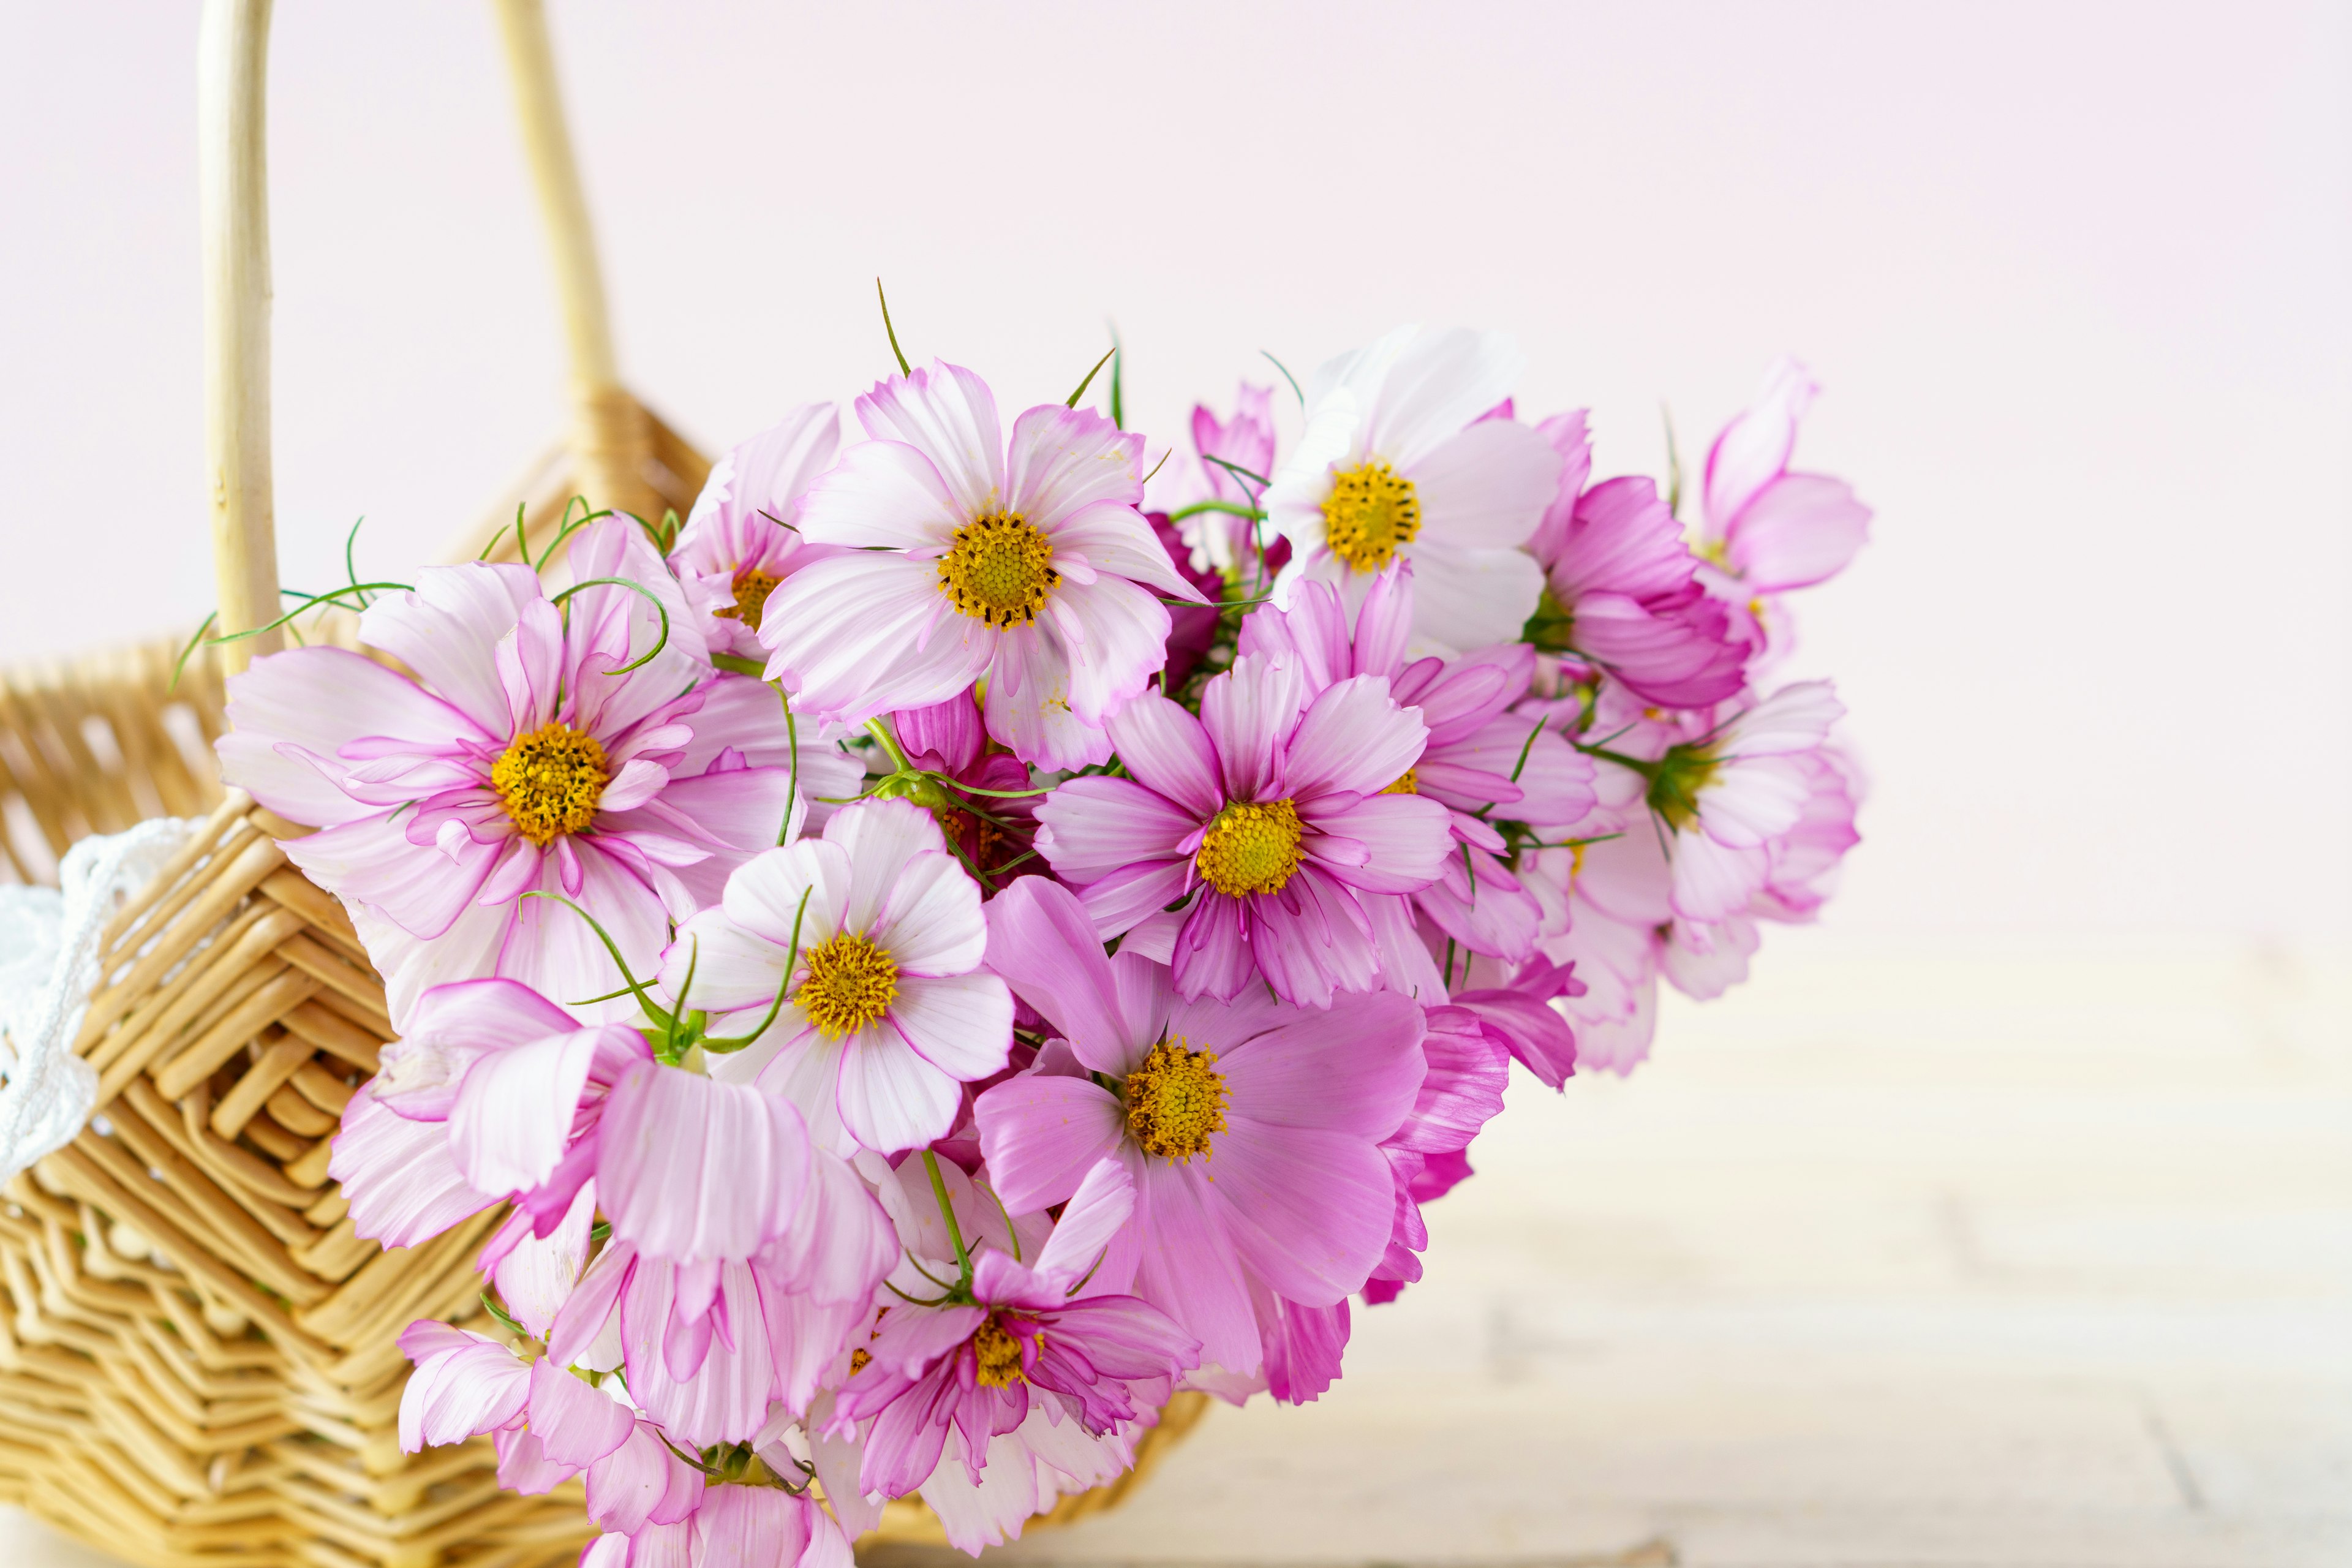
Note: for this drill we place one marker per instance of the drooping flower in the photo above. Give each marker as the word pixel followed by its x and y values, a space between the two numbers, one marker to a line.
pixel 711 1349
pixel 1032 1335
pixel 742 537
pixel 873 934
pixel 1484 764
pixel 1251 1129
pixel 1396 461
pixel 1621 586
pixel 1468 1066
pixel 1270 815
pixel 548 748
pixel 1029 568
pixel 1765 528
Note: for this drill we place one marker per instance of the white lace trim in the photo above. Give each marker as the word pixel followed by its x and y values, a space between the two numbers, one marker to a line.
pixel 48 967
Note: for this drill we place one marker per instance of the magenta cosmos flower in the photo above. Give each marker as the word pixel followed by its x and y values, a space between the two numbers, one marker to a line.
pixel 887 1012
pixel 1267 816
pixel 528 756
pixel 1396 461
pixel 1621 587
pixel 1251 1129
pixel 742 537
pixel 1484 763
pixel 1028 567
pixel 1032 1335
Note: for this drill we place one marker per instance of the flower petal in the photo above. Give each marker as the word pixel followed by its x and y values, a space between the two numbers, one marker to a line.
pixel 948 415
pixel 1354 738
pixel 1062 460
pixel 446 628
pixel 1041 1134
pixel 1167 751
pixel 881 495
pixel 1486 488
pixel 961 1024
pixel 889 1097
pixel 690 1169
pixel 862 634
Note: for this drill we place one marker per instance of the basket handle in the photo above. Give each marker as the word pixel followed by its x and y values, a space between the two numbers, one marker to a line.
pixel 233 200
pixel 611 436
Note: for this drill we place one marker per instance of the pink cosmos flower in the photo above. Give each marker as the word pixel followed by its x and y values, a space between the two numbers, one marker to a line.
pixel 1396 461
pixel 712 1350
pixel 741 538
pixel 887 1011
pixel 725 1226
pixel 1629 905
pixel 1032 1335
pixel 1029 568
pixel 983 1496
pixel 1271 813
pixel 550 1424
pixel 1622 588
pixel 1484 764
pixel 1771 527
pixel 1251 1129
pixel 1766 530
pixel 528 757
pixel 1724 799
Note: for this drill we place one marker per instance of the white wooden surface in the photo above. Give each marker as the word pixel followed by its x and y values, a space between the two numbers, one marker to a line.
pixel 1969 1263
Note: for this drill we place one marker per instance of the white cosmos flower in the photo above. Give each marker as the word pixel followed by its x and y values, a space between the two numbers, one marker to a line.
pixel 1396 461
pixel 888 1013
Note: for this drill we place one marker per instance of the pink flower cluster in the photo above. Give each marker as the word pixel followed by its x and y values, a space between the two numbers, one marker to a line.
pixel 943 952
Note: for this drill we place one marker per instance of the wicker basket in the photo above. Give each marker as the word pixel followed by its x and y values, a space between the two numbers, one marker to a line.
pixel 197 1357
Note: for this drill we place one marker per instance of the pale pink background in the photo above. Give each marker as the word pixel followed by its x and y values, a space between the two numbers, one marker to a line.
pixel 2078 279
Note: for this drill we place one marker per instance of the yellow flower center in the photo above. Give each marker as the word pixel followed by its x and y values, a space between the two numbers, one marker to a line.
pixel 752 590
pixel 1408 783
pixel 549 781
pixel 1175 1100
pixel 1372 510
pixel 859 1359
pixel 999 570
pixel 999 1354
pixel 1250 848
pixel 850 984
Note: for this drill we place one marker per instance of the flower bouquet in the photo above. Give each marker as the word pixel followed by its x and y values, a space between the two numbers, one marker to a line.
pixel 983 928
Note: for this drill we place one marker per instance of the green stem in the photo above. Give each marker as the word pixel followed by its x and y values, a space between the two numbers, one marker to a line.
pixel 947 1212
pixel 1234 507
pixel 890 745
